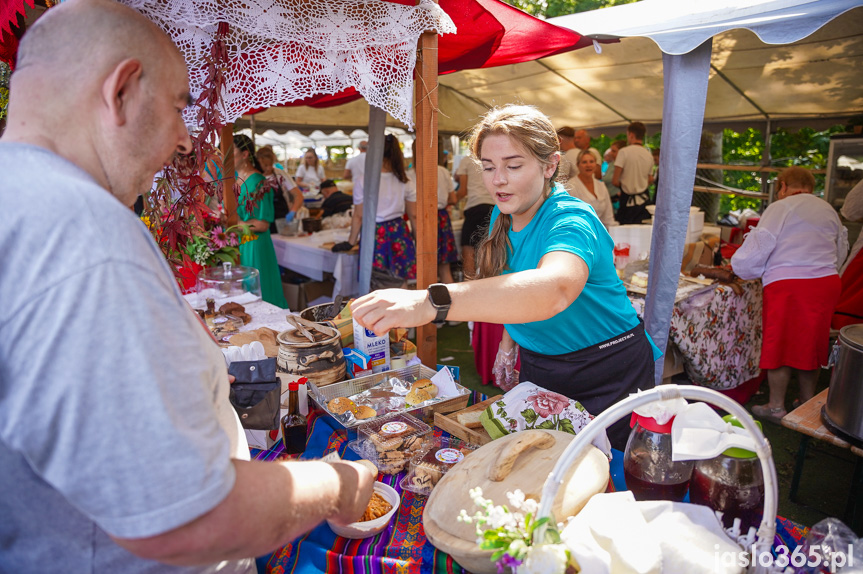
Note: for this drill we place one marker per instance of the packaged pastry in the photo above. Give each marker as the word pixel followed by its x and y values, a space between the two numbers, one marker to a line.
pixel 427 468
pixel 390 442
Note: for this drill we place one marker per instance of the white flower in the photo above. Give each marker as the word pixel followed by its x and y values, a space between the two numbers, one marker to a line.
pixel 516 499
pixel 544 559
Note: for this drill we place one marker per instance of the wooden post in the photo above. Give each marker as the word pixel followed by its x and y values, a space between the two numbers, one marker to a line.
pixel 229 199
pixel 426 172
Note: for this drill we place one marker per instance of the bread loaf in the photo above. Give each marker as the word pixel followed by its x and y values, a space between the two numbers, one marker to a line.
pixel 469 419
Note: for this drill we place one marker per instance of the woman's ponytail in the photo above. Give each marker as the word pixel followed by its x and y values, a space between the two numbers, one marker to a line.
pixel 493 252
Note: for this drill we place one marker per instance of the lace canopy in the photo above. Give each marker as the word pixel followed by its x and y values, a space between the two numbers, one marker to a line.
pixel 286 50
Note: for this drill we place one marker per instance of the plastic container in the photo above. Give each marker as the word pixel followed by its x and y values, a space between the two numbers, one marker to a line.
pixel 428 468
pixel 390 442
pixel 229 283
pixel 647 466
pixel 359 530
pixel 731 483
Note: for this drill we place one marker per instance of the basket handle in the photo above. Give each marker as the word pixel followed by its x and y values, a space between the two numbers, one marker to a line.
pixel 510 452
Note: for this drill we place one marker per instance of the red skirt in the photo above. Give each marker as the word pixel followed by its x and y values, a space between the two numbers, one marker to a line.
pixel 849 309
pixel 796 322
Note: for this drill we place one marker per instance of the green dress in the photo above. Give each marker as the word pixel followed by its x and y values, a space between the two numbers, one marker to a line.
pixel 260 253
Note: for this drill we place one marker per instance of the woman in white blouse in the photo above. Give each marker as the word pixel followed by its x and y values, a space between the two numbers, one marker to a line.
pixel 796 250
pixel 587 188
pixel 310 174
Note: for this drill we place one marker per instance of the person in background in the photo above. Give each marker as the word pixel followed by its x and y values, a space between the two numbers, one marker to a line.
pixel 334 200
pixel 287 197
pixel 568 168
pixel 447 254
pixel 582 142
pixel 395 252
pixel 546 271
pixel 796 250
pixel 258 252
pixel 477 211
pixel 849 308
pixel 587 188
pixel 119 449
pixel 356 166
pixel 310 174
pixel 655 153
pixel 610 158
pixel 633 174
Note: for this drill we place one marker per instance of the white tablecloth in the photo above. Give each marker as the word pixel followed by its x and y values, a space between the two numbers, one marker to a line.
pixel 304 255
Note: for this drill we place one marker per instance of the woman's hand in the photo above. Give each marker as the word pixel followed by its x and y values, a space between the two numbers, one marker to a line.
pixel 505 375
pixel 386 309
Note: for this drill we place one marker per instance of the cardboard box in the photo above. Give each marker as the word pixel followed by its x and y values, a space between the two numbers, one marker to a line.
pixel 300 295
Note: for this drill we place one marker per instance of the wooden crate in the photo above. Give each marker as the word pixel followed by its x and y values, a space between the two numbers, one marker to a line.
pixel 450 424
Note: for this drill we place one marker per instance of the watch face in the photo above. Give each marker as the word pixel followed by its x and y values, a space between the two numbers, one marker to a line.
pixel 439 295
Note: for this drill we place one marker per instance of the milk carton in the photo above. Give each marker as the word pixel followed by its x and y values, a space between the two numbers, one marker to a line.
pixel 378 348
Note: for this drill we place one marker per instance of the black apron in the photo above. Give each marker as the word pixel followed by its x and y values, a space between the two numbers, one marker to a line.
pixel 629 213
pixel 597 376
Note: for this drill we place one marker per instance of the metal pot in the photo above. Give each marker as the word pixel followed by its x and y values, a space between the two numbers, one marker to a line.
pixel 310 224
pixel 843 413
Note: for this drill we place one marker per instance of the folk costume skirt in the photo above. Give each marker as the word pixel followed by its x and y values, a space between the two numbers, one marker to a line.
pixel 395 251
pixel 795 322
pixel 446 250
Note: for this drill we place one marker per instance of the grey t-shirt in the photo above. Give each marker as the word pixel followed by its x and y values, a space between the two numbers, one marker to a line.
pixel 114 415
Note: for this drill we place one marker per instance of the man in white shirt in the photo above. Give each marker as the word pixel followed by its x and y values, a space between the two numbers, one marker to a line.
pixel 633 174
pixel 119 449
pixel 356 166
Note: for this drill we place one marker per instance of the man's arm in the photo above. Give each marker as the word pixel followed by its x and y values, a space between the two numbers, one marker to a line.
pixel 411 211
pixel 462 186
pixel 615 179
pixel 269 505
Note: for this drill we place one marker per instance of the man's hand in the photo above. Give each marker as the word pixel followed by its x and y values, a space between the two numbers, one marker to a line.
pixel 385 309
pixel 357 486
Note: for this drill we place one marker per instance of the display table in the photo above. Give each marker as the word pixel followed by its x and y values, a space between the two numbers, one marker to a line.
pixel 806 419
pixel 402 546
pixel 305 255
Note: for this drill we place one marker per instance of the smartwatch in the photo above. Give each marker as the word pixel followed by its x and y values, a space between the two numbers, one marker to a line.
pixel 441 301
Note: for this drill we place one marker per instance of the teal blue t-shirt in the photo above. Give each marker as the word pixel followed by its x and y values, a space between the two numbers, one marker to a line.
pixel 602 310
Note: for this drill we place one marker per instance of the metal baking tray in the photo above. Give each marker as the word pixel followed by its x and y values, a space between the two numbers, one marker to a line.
pixel 323 395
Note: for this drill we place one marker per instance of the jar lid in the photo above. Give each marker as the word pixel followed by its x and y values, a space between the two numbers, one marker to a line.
pixel 650 423
pixel 227 272
pixel 293 386
pixel 736 452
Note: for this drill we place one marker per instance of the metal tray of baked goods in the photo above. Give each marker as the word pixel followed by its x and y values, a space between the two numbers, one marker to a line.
pixel 323 395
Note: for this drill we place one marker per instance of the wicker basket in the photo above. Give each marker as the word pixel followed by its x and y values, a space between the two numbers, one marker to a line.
pixel 766 530
pixel 323 395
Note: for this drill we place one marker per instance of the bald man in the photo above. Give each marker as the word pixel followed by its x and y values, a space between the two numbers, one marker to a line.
pixel 118 447
pixel 356 166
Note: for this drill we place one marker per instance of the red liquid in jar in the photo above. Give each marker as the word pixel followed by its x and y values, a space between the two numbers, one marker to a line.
pixel 643 490
pixel 745 503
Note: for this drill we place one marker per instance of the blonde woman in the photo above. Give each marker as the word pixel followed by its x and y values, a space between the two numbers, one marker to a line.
pixel 545 271
pixel 590 190
pixel 310 174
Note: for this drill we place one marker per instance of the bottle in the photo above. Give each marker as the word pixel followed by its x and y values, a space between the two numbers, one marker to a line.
pixel 294 426
pixel 303 394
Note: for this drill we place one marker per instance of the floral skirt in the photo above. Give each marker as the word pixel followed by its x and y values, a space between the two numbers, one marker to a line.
pixel 394 249
pixel 446 251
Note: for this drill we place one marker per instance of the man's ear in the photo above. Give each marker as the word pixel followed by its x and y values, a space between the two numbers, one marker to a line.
pixel 120 88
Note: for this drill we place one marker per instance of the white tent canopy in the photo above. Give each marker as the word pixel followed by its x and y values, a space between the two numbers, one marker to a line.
pixel 813 81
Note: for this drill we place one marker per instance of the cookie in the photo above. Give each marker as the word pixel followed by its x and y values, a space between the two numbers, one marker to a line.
pixel 425 384
pixel 365 412
pixel 340 405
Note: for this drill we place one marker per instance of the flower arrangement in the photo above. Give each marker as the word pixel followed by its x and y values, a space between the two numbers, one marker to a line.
pixel 511 535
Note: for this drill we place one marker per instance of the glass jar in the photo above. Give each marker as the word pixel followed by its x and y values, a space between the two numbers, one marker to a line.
pixel 647 466
pixel 229 283
pixel 731 483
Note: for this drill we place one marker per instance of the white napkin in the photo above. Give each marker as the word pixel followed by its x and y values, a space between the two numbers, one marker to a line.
pixel 661 411
pixel 614 534
pixel 253 351
pixel 445 383
pixel 699 433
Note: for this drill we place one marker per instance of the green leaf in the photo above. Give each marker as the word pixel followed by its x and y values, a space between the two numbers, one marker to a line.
pixel 529 416
pixel 565 425
pixel 545 425
pixel 497 555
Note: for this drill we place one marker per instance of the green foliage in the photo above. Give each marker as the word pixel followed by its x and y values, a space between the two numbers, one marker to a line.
pixel 552 8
